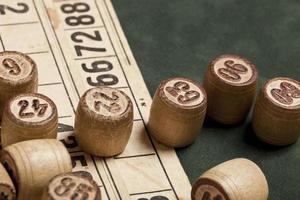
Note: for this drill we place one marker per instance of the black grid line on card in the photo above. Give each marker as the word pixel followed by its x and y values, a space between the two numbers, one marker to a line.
pixel 2 44
pixel 91 57
pixel 155 191
pixel 21 23
pixel 83 28
pixel 134 156
pixel 125 53
pixel 134 96
pixel 61 77
pixel 61 51
pixel 46 84
pixel 37 52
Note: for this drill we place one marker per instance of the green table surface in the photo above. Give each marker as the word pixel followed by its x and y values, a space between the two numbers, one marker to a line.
pixel 179 38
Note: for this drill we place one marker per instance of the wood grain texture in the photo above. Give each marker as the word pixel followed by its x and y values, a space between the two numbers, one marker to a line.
pixel 177 112
pixel 237 179
pixel 276 116
pixel 103 122
pixel 230 83
pixel 33 163
pixel 29 116
pixel 7 188
pixel 18 74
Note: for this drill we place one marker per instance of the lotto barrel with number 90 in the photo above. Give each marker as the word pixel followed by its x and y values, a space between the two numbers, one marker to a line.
pixel 230 84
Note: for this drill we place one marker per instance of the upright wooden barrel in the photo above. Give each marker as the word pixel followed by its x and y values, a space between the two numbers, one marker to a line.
pixel 29 116
pixel 177 112
pixel 18 74
pixel 33 163
pixel 230 84
pixel 237 179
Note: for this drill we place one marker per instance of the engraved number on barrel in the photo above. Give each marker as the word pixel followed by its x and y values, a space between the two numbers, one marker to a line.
pixel 155 198
pixel 23 8
pixel 112 106
pixel 182 87
pixel 81 191
pixel 232 71
pixel 66 184
pixel 12 66
pixel 38 108
pixel 208 196
pixel 286 93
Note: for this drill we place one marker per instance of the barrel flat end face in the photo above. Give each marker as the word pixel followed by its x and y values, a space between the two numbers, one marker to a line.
pixel 70 185
pixel 234 70
pixel 182 92
pixel 107 102
pixel 283 92
pixel 32 108
pixel 16 66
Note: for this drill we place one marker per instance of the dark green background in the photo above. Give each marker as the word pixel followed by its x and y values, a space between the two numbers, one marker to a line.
pixel 179 38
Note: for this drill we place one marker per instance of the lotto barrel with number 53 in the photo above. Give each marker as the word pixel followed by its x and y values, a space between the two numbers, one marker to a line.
pixel 276 116
pixel 177 112
pixel 230 84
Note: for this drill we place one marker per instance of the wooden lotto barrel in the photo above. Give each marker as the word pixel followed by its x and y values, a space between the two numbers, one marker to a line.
pixel 177 112
pixel 237 179
pixel 29 116
pixel 69 186
pixel 18 74
pixel 33 163
pixel 230 84
pixel 103 122
pixel 7 188
pixel 276 116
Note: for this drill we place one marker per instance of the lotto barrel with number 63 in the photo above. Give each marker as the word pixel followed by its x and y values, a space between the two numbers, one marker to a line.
pixel 230 84
pixel 276 116
pixel 177 112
